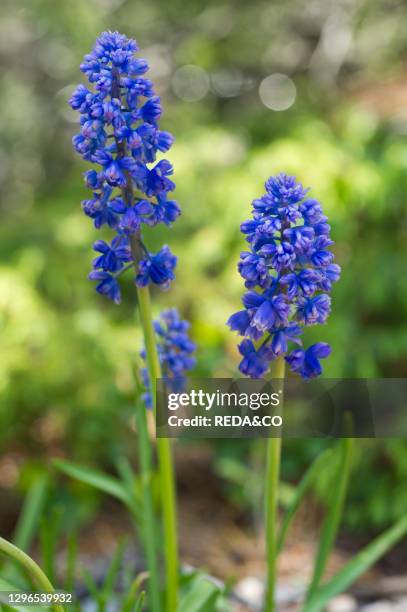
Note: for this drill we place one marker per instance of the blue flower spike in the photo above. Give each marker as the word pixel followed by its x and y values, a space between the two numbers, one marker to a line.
pixel 119 132
pixel 288 271
pixel 175 351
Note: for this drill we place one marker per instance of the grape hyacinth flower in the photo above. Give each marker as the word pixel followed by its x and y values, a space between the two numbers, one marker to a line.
pixel 289 272
pixel 119 114
pixel 119 133
pixel 175 351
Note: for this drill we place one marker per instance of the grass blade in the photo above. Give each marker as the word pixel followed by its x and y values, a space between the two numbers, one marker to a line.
pixel 333 517
pixel 103 482
pixel 201 597
pixel 113 571
pixel 70 569
pixel 129 479
pixel 49 532
pixel 31 568
pixel 28 521
pixel 357 566
pixel 300 491
pixel 139 603
pixel 132 599
pixel 31 512
pixel 91 585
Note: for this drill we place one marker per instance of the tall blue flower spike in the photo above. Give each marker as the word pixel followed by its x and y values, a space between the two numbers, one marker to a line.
pixel 175 351
pixel 119 132
pixel 289 271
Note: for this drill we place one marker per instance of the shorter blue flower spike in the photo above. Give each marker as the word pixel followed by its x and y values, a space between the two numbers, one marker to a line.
pixel 175 351
pixel 288 270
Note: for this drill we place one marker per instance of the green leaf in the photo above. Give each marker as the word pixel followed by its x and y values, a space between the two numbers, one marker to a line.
pixel 91 585
pixel 103 482
pixel 231 469
pixel 28 521
pixel 333 516
pixel 132 599
pixel 357 566
pixel 29 517
pixel 31 567
pixel 201 596
pixel 7 586
pixel 300 491
pixel 138 606
pixel 113 571
pixel 49 532
pixel 131 483
pixel 72 553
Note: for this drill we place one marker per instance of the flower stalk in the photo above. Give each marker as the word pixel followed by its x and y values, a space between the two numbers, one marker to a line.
pixel 145 454
pixel 165 464
pixel 119 132
pixel 271 489
pixel 289 272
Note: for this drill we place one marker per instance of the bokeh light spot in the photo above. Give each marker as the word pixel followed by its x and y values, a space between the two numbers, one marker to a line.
pixel 190 83
pixel 277 92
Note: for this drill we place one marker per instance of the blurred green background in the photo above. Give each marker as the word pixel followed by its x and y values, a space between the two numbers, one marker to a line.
pixel 317 89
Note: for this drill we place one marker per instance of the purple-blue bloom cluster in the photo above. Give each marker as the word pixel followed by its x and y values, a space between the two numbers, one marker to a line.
pixel 175 351
pixel 289 271
pixel 119 114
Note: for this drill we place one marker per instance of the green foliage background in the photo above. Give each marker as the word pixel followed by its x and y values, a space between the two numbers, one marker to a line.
pixel 66 355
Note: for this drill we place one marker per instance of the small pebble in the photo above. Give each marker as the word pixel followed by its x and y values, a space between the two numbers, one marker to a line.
pixel 250 590
pixel 342 603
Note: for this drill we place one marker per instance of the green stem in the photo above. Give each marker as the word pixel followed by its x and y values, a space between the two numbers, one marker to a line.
pixel 30 566
pixel 273 458
pixel 165 465
pixel 333 518
pixel 166 472
pixel 149 522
